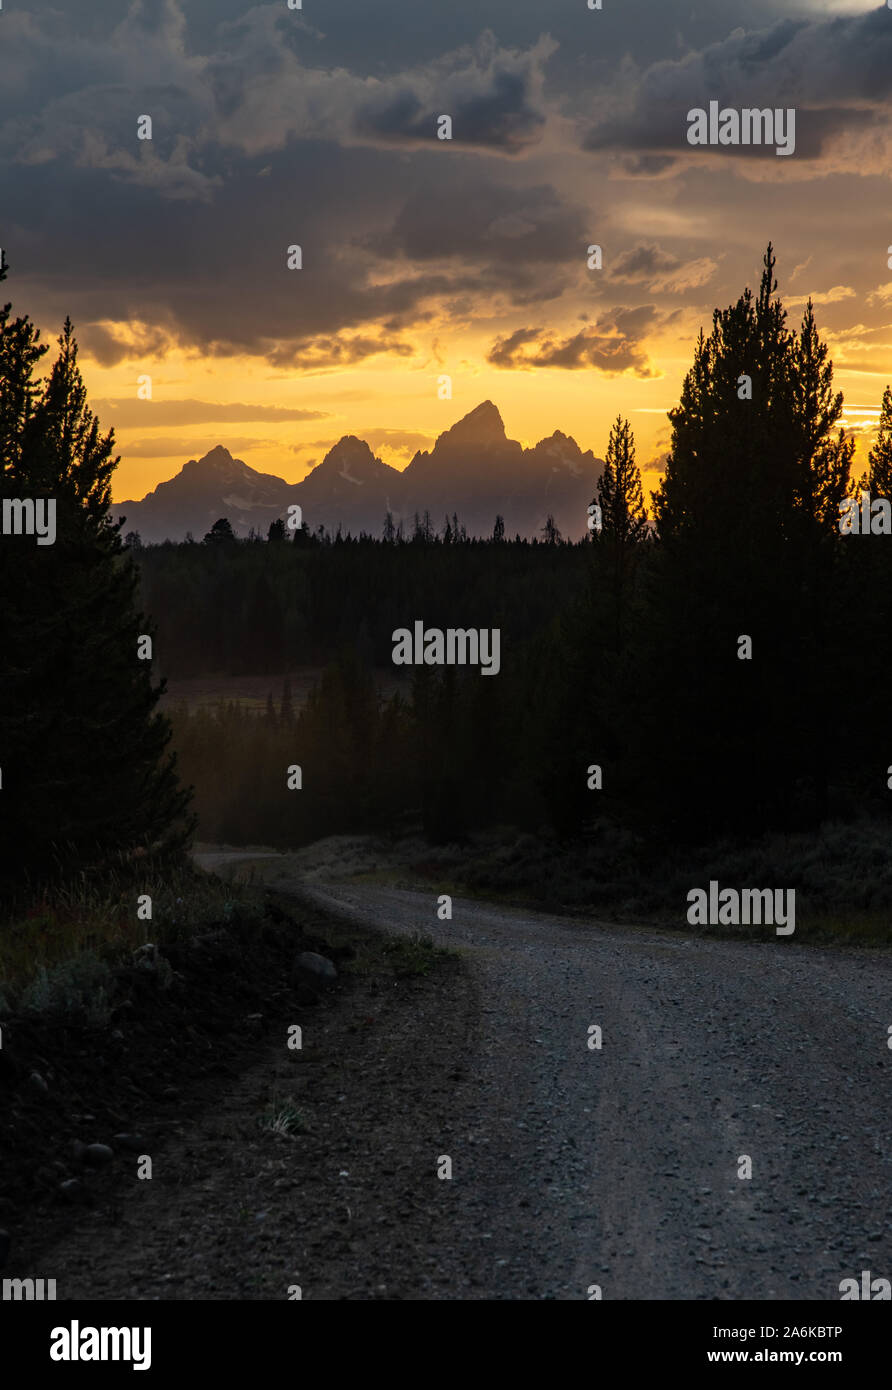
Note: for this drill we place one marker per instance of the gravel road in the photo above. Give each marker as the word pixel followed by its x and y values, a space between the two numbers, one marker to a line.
pixel 572 1166
pixel 619 1166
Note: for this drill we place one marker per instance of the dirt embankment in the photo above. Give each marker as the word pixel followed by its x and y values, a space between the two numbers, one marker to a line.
pixel 251 1140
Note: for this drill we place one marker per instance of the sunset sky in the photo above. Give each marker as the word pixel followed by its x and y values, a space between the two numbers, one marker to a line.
pixel 422 256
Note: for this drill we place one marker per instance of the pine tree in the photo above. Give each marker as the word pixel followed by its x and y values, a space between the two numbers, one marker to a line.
pixel 746 519
pixel 822 458
pixel 620 495
pixel 623 518
pixel 20 351
pixel 221 533
pixel 879 477
pixel 85 768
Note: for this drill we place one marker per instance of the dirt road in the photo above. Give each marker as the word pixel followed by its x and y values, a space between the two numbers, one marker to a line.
pixel 623 1166
pixel 620 1166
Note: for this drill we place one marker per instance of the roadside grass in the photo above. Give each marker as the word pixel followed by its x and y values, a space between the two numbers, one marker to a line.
pixel 60 951
pixel 841 874
pixel 845 929
pixel 416 955
pixel 283 1118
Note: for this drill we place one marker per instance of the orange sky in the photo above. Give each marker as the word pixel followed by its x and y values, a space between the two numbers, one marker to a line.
pixel 422 255
pixel 379 395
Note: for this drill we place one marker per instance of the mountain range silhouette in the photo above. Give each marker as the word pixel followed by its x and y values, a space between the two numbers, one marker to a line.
pixel 474 470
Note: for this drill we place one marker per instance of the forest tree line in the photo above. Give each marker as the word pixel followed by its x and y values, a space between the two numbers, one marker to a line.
pixel 723 666
pixel 727 668
pixel 255 607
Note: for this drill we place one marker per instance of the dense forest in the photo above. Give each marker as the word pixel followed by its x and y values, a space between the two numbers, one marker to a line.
pixel 262 607
pixel 724 666
pixel 721 666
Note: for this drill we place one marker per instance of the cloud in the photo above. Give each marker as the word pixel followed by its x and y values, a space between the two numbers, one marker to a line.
pixel 366 284
pixel 173 446
pixel 258 142
pixel 646 264
pixel 251 90
pixel 395 441
pixel 342 351
pixel 832 296
pixel 647 166
pixel 398 441
pixel 836 73
pixel 110 344
pixel 75 97
pixel 477 221
pixel 882 369
pixel 492 96
pixel 127 413
pixel 612 345
pixel 268 133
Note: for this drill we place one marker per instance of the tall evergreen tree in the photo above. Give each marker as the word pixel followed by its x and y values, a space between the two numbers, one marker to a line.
pixel 620 495
pixel 867 594
pixel 82 747
pixel 746 522
pixel 879 476
pixel 623 516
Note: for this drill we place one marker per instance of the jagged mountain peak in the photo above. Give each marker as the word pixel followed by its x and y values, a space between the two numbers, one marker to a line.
pixel 214 460
pixel 474 470
pixel 482 425
pixel 352 447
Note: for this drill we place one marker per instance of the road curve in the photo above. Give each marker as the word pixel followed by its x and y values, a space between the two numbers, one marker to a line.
pixel 621 1166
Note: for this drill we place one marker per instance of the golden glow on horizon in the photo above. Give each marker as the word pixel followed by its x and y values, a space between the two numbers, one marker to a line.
pixel 393 399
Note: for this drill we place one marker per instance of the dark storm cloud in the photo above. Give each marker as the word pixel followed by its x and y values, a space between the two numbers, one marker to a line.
pixel 494 107
pixel 507 351
pixel 643 262
pixel 476 220
pixel 273 127
pixel 836 73
pixel 215 274
pixel 611 345
pixel 254 149
pixel 647 166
